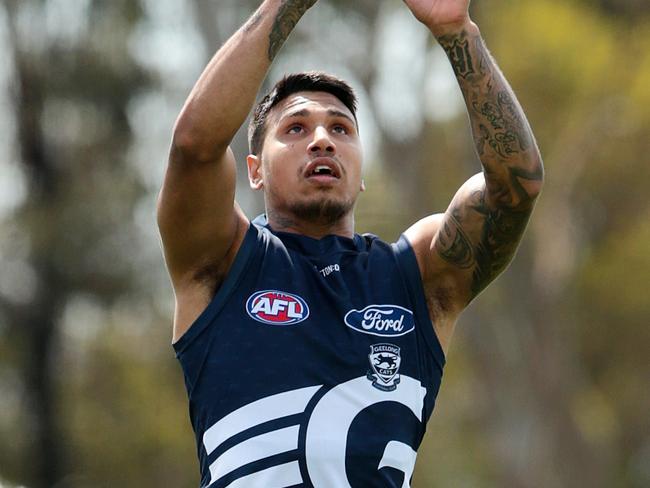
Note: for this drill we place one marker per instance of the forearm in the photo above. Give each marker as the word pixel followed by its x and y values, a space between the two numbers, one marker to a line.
pixel 504 141
pixel 225 92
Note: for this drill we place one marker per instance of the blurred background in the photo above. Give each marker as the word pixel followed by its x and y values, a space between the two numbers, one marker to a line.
pixel 548 379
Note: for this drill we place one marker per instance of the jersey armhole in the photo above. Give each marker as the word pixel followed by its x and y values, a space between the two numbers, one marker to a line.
pixel 225 290
pixel 408 265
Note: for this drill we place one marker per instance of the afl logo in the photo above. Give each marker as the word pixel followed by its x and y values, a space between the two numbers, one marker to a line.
pixel 277 307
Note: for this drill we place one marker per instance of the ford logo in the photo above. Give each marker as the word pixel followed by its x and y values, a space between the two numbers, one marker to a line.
pixel 381 320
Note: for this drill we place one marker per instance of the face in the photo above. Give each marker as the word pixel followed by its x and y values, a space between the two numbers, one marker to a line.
pixel 310 165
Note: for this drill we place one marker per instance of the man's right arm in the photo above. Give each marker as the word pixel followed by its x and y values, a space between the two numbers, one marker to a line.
pixel 199 221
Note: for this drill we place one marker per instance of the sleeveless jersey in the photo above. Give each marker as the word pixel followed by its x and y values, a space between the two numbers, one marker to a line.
pixel 314 365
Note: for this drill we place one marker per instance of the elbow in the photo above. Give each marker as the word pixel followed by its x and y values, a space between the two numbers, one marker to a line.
pixel 527 179
pixel 185 146
pixel 518 187
pixel 190 144
pixel 535 182
pixel 528 185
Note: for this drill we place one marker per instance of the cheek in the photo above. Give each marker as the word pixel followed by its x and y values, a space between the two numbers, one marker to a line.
pixel 355 157
pixel 283 152
pixel 279 172
pixel 353 151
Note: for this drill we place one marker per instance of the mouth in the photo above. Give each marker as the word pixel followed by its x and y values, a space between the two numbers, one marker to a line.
pixel 323 169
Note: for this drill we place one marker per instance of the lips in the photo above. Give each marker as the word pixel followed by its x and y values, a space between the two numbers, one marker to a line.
pixel 323 168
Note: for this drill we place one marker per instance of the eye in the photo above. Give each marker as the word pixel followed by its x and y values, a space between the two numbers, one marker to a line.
pixel 294 129
pixel 340 129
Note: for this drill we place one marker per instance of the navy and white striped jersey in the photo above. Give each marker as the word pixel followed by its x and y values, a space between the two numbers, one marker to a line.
pixel 315 365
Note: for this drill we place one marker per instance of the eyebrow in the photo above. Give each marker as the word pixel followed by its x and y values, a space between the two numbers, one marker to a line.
pixel 331 112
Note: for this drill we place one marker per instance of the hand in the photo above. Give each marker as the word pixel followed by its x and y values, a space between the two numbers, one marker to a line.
pixel 441 16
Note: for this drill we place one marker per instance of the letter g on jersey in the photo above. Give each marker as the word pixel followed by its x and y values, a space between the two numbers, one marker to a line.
pixel 381 320
pixel 326 437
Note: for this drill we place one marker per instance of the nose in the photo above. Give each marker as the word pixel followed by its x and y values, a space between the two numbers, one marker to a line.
pixel 322 143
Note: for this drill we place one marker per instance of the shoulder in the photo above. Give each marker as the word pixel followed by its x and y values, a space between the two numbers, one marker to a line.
pixel 420 236
pixel 439 280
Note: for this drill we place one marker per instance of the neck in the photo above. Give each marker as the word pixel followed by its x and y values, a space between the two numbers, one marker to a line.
pixel 314 228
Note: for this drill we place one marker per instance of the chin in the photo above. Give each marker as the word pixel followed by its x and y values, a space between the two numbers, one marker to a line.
pixel 322 210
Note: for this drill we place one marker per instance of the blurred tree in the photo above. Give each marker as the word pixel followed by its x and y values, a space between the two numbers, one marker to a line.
pixel 628 8
pixel 35 324
pixel 71 94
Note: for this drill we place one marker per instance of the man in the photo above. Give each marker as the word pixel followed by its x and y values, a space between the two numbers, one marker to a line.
pixel 312 356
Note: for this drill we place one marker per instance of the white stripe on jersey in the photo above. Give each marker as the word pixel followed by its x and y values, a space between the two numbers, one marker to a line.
pixel 262 446
pixel 254 449
pixel 270 408
pixel 277 476
pixel 401 457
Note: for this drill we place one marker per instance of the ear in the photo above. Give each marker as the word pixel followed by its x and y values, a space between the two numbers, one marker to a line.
pixel 255 172
pixel 363 185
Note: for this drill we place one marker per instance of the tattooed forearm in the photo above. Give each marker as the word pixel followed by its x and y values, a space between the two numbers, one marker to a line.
pixel 501 132
pixel 503 117
pixel 513 117
pixel 288 16
pixel 457 49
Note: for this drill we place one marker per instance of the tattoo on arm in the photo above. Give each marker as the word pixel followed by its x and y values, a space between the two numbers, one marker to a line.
pixel 501 132
pixel 502 116
pixel 453 245
pixel 518 175
pixel 502 230
pixel 288 16
pixel 495 243
pixel 482 230
pixel 459 55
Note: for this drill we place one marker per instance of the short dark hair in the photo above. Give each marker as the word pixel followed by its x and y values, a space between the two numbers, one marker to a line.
pixel 296 82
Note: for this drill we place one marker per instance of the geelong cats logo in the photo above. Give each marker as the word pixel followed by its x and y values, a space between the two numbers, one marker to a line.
pixel 384 363
pixel 277 307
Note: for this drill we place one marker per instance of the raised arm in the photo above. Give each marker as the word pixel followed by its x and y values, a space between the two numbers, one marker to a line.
pixel 467 247
pixel 200 224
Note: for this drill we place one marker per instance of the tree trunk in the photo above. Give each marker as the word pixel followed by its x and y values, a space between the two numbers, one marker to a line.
pixel 35 324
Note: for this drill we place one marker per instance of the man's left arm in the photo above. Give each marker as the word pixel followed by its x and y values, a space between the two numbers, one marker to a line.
pixel 463 250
